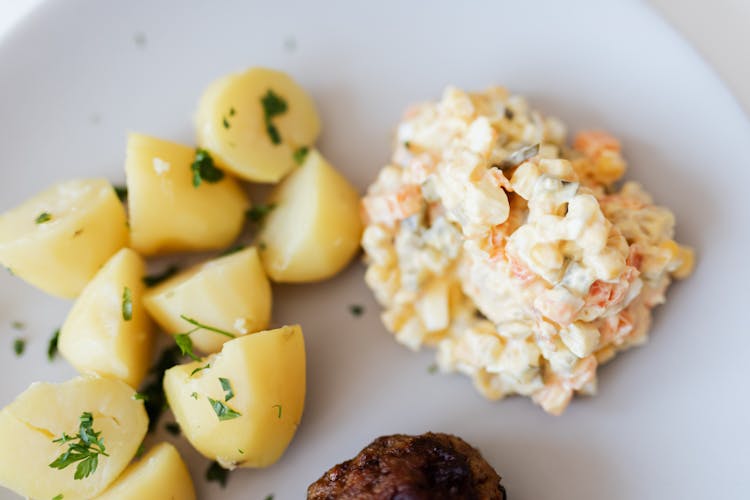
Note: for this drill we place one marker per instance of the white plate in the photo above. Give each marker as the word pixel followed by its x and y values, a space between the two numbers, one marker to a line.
pixel 671 417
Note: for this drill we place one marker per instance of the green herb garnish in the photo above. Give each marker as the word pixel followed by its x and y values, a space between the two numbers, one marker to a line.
pixel 226 386
pixel 194 395
pixel 59 496
pixel 186 344
pixel 121 192
pixel 43 217
pixel 279 410
pixel 432 369
pixel 356 310
pixel 84 448
pixel 19 345
pixel 300 154
pixel 223 411
pixel 173 428
pixel 140 397
pixel 258 212
pixel 17 325
pixel 200 369
pixel 140 450
pixel 203 168
pixel 155 279
pixel 217 473
pixel 231 111
pixel 273 105
pixel 269 497
pixel 127 304
pixel 225 122
pixel 52 345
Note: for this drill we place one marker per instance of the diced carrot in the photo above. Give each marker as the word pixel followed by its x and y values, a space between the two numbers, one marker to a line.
pixel 393 207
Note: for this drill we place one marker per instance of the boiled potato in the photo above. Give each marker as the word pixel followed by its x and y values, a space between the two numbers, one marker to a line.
pixel 257 384
pixel 160 474
pixel 58 239
pixel 231 293
pixel 314 230
pixel 44 412
pixel 254 122
pixel 97 335
pixel 168 213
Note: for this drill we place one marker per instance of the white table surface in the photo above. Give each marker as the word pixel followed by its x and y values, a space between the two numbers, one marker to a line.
pixel 718 29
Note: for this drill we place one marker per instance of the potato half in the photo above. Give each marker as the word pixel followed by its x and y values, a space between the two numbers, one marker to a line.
pixel 59 239
pixel 168 213
pixel 244 409
pixel 314 230
pixel 44 412
pixel 108 331
pixel 231 293
pixel 254 122
pixel 159 475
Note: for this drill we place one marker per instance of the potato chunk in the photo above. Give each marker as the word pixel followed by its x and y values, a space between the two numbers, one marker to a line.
pixel 108 331
pixel 160 474
pixel 314 230
pixel 253 122
pixel 168 213
pixel 44 412
pixel 231 293
pixel 244 409
pixel 58 239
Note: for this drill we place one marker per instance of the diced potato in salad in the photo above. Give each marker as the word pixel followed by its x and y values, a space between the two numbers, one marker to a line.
pixel 511 253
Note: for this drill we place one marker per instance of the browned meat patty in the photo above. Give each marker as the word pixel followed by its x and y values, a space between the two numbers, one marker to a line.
pixel 400 467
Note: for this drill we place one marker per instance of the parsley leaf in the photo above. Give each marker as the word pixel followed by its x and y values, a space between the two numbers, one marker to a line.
pixel 59 496
pixel 84 448
pixel 301 154
pixel 140 450
pixel 155 279
pixel 43 217
pixel 140 397
pixel 223 411
pixel 226 386
pixel 186 345
pixel 273 105
pixel 52 346
pixel 216 472
pixel 19 345
pixel 269 497
pixel 127 304
pixel 356 310
pixel 258 212
pixel 194 395
pixel 201 326
pixel 225 122
pixel 173 428
pixel 200 369
pixel 432 369
pixel 279 407
pixel 121 192
pixel 17 325
pixel 203 168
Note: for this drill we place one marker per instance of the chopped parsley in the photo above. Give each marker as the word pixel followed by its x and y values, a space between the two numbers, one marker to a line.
pixel 173 428
pixel 226 386
pixel 258 212
pixel 59 496
pixel 17 325
pixel 217 473
pixel 194 395
pixel 140 450
pixel 300 154
pixel 200 369
pixel 121 192
pixel 186 344
pixel 203 168
pixel 223 411
pixel 225 122
pixel 269 497
pixel 52 345
pixel 273 105
pixel 232 112
pixel 140 397
pixel 127 304
pixel 43 217
pixel 432 369
pixel 356 309
pixel 155 401
pixel 279 410
pixel 19 345
pixel 84 448
pixel 154 279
